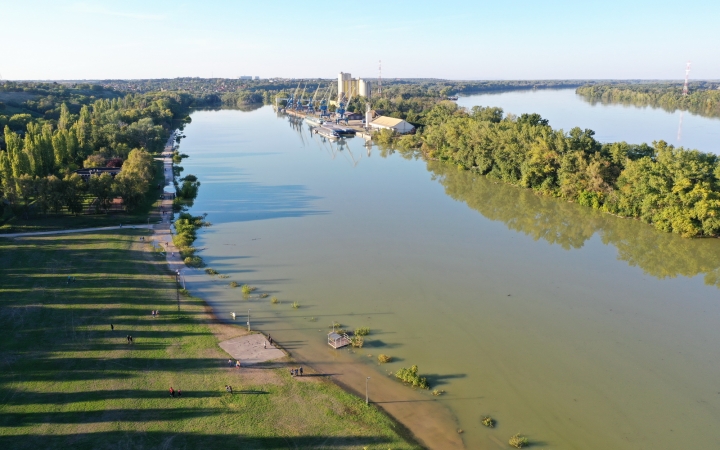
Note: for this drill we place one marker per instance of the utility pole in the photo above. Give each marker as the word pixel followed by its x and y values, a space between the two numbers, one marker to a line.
pixel 687 75
pixel 380 78
pixel 248 323
pixel 367 399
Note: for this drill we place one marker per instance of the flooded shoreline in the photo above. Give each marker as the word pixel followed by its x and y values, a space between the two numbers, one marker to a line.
pixel 560 322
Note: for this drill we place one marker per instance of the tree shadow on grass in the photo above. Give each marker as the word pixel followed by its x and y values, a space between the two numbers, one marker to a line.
pixel 15 397
pixel 156 439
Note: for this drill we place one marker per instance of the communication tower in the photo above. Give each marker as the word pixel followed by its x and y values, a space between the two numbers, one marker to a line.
pixel 687 75
pixel 380 77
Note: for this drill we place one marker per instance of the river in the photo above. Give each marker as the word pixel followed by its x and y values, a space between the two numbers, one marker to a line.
pixel 578 329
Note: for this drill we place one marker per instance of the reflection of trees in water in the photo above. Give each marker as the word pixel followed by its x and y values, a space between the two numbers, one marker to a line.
pixel 569 225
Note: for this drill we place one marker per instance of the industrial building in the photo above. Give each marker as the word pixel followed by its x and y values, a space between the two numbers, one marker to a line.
pixel 353 86
pixel 391 123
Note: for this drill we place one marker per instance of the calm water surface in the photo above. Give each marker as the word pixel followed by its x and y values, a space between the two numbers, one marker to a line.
pixel 578 329
pixel 565 109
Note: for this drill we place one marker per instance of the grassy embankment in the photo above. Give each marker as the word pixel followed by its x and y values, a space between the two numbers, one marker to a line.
pixel 146 209
pixel 68 381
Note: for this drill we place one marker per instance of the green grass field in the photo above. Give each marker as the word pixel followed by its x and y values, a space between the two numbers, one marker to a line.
pixel 68 381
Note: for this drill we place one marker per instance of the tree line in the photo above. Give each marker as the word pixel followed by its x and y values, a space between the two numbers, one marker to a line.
pixel 39 156
pixel 703 97
pixel 675 189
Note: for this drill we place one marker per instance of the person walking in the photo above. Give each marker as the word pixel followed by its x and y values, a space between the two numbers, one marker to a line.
pixel 301 371
pixel 237 364
pixel 179 393
pixel 112 327
pixel 265 344
pixel 128 338
pixel 172 392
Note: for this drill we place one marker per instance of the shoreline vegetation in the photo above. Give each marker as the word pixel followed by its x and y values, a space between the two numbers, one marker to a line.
pixel 674 189
pixel 703 98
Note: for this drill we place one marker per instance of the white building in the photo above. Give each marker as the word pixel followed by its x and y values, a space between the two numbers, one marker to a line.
pixel 353 86
pixel 390 123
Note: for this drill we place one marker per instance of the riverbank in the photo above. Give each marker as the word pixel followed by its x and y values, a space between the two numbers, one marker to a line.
pixel 426 420
pixel 70 378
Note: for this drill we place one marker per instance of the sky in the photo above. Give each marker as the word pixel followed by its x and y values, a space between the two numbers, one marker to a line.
pixel 462 40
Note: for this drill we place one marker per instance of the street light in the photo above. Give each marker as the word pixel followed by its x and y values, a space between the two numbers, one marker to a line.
pixel 177 287
pixel 367 402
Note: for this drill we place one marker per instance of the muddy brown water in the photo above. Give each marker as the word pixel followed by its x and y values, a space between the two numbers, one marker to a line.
pixel 578 329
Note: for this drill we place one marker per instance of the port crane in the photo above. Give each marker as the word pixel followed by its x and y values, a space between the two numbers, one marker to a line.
pixel 343 103
pixel 311 103
pixel 324 103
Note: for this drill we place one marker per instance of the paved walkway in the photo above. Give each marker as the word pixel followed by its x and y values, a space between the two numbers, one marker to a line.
pixel 251 349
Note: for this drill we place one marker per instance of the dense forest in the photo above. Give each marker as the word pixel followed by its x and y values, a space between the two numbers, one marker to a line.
pixel 703 97
pixel 50 131
pixel 674 189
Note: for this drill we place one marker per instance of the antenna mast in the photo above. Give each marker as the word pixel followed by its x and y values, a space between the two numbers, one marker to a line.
pixel 380 77
pixel 687 75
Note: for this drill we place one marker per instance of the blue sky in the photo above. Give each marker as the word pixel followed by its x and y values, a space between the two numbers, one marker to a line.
pixel 441 39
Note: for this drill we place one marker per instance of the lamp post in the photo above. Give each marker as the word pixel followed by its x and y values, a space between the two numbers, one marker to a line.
pixel 248 324
pixel 367 399
pixel 177 287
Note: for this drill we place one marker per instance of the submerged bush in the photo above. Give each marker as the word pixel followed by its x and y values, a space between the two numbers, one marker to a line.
pixel 384 358
pixel 211 271
pixel 295 305
pixel 362 331
pixel 357 341
pixel 193 261
pixel 488 422
pixel 247 289
pixel 410 376
pixel 274 300
pixel 233 284
pixel 519 441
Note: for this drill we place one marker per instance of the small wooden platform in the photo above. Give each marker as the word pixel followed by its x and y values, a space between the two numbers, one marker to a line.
pixel 337 341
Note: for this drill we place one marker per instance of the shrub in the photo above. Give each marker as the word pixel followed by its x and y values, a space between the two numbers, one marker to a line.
pixel 233 284
pixel 295 305
pixel 438 392
pixel 362 331
pixel 211 271
pixel 247 289
pixel 519 441
pixel 488 422
pixel 193 261
pixel 274 300
pixel 357 341
pixel 384 358
pixel 410 376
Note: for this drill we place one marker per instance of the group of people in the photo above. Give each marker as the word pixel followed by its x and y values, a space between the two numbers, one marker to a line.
pixel 237 363
pixel 129 338
pixel 155 312
pixel 296 372
pixel 173 392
